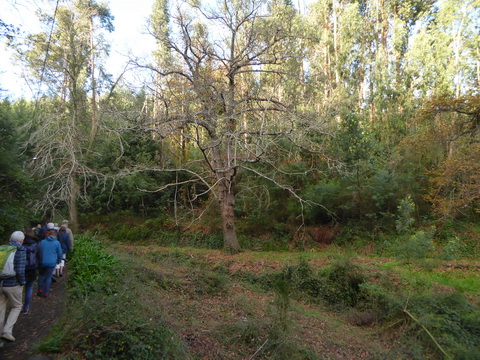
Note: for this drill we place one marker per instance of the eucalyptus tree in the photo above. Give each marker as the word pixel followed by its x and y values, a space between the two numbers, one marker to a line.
pixel 62 61
pixel 444 56
pixel 219 87
pixel 358 53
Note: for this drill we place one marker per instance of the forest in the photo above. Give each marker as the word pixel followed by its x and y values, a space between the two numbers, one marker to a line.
pixel 341 127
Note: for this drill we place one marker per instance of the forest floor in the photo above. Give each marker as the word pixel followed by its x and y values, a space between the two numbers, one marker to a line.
pixel 209 298
pixel 34 326
pixel 216 304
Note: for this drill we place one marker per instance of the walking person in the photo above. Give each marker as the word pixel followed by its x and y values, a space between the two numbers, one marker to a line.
pixel 50 254
pixel 42 232
pixel 11 288
pixel 64 240
pixel 69 232
pixel 30 244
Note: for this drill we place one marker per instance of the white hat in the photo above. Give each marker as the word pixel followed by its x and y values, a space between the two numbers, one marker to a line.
pixel 17 236
pixel 50 226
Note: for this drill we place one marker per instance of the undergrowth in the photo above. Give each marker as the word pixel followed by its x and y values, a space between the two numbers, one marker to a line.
pixel 435 322
pixel 104 319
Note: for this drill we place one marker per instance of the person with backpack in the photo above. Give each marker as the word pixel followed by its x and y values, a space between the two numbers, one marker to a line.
pixel 64 240
pixel 50 254
pixel 30 244
pixel 12 287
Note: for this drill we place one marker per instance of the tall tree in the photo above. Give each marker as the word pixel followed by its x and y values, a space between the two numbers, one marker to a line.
pixel 65 125
pixel 218 92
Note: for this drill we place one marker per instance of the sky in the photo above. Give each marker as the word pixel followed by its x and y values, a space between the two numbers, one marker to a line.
pixel 130 37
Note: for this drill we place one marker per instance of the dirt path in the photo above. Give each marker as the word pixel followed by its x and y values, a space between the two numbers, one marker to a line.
pixel 32 328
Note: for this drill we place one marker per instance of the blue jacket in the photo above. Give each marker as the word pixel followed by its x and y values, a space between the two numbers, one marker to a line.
pixel 50 252
pixel 19 262
pixel 64 239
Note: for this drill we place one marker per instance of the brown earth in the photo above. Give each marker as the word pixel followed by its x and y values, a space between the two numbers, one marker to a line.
pixel 33 327
pixel 233 322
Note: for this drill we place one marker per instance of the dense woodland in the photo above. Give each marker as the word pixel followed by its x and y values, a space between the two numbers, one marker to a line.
pixel 333 150
pixel 349 121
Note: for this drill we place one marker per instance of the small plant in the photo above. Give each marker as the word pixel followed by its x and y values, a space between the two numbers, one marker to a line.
pixel 206 283
pixel 342 283
pixel 415 246
pixel 282 288
pixel 91 267
pixel 405 218
pixel 451 249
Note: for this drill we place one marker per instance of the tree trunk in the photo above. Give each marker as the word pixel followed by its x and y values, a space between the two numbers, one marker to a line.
pixel 72 204
pixel 226 199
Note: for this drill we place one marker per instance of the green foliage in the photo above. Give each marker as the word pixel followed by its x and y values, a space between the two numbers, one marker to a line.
pixel 338 285
pixel 16 187
pixel 327 194
pixel 341 283
pixel 449 317
pixel 405 218
pixel 131 233
pixel 104 319
pixel 206 283
pixel 416 246
pixel 91 267
pixel 282 288
pixel 452 249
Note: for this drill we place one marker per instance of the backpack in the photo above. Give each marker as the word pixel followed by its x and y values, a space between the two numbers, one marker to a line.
pixel 31 263
pixel 7 255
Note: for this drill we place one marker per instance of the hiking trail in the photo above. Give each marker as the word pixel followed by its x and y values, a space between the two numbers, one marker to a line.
pixel 33 327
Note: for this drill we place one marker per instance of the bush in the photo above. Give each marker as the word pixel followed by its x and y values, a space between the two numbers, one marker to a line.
pixel 91 267
pixel 342 283
pixel 104 319
pixel 416 246
pixel 338 284
pixel 427 316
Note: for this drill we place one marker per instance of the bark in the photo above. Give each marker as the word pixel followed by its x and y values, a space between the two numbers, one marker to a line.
pixel 72 206
pixel 226 199
pixel 94 128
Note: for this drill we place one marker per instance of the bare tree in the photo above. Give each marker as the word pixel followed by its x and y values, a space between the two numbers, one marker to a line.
pixel 65 125
pixel 221 89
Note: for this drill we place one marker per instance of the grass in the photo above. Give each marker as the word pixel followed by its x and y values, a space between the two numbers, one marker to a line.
pixel 188 303
pixel 464 281
pixel 104 318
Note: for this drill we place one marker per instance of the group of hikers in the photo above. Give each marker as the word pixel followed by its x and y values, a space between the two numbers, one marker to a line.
pixel 39 251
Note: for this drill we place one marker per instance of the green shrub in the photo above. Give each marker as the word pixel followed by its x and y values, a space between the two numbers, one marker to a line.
pixel 337 284
pixel 416 246
pixel 132 341
pixel 104 319
pixel 427 317
pixel 91 267
pixel 452 249
pixel 342 283
pixel 405 218
pixel 131 233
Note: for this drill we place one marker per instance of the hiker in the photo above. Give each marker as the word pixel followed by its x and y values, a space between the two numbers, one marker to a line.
pixel 42 234
pixel 11 288
pixel 36 230
pixel 64 240
pixel 69 232
pixel 50 254
pixel 30 244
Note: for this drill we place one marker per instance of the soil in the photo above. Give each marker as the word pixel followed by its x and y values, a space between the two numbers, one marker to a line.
pixel 33 327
